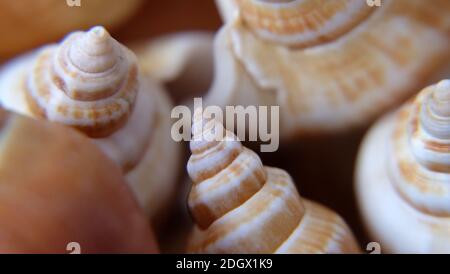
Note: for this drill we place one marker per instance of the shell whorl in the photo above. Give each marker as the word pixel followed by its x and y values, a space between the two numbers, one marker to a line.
pixel 421 146
pixel 341 83
pixel 241 206
pixel 89 82
pixel 302 23
pixel 220 167
pixel 435 111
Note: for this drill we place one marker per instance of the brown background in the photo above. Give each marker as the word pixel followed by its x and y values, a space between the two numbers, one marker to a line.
pixel 162 17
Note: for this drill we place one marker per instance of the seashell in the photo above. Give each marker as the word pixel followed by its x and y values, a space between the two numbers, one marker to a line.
pixel 403 175
pixel 22 29
pixel 329 65
pixel 182 62
pixel 241 206
pixel 70 192
pixel 92 83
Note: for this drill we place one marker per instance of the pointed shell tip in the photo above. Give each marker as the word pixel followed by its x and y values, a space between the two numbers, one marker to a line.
pixel 442 91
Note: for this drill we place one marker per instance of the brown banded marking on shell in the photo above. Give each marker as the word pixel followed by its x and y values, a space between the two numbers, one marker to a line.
pixel 241 206
pixel 402 168
pixel 125 114
pixel 302 23
pixel 89 82
pixel 420 164
pixel 344 82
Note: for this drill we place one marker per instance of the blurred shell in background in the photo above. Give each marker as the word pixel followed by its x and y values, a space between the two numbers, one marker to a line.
pixel 92 83
pixel 27 24
pixel 241 206
pixel 56 188
pixel 182 62
pixel 403 175
pixel 329 65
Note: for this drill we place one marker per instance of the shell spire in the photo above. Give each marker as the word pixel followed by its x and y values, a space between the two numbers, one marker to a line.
pixel 91 82
pixel 435 115
pixel 210 167
pixel 241 206
pixel 403 169
pixel 421 149
pixel 88 82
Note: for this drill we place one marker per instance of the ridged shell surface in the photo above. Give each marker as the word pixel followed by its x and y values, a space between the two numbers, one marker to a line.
pixel 241 206
pixel 329 65
pixel 403 175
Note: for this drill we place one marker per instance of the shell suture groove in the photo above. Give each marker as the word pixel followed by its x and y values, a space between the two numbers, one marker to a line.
pixel 241 206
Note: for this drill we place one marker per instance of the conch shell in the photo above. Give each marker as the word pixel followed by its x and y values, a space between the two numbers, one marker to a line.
pixel 403 175
pixel 241 206
pixel 329 65
pixel 57 188
pixel 22 30
pixel 92 83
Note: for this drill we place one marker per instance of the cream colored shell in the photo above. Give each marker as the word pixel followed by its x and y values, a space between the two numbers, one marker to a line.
pixel 403 175
pixel 329 65
pixel 92 83
pixel 182 62
pixel 241 206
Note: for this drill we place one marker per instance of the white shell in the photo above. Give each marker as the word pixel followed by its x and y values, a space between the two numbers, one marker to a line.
pixel 182 62
pixel 342 82
pixel 240 206
pixel 403 175
pixel 92 83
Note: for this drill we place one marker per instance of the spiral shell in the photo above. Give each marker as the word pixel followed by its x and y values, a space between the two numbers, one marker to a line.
pixel 329 65
pixel 421 151
pixel 241 206
pixel 88 82
pixel 409 158
pixel 92 83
